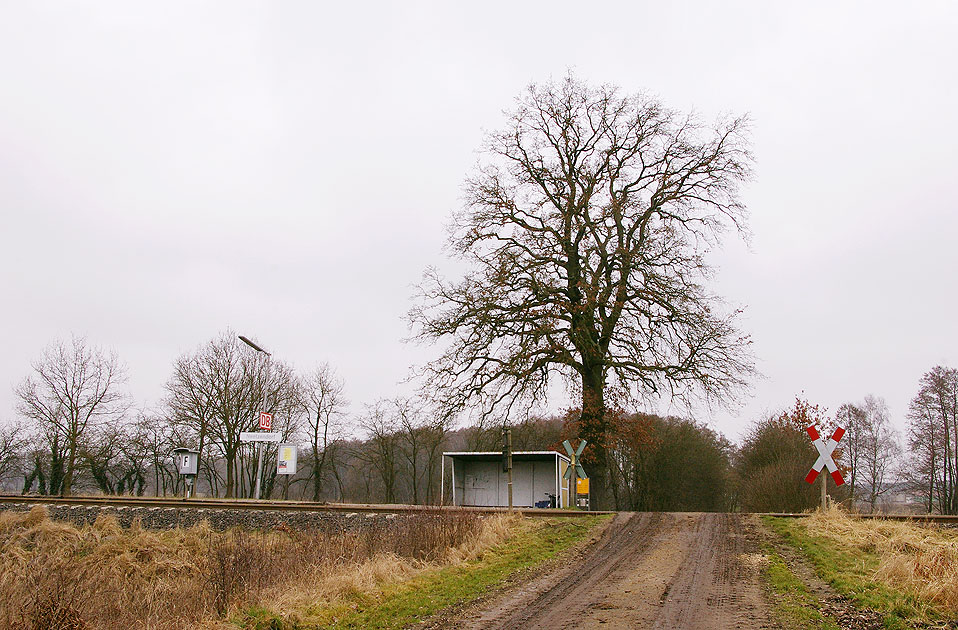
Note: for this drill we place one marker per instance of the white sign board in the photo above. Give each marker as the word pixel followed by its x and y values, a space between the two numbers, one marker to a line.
pixel 286 459
pixel 256 436
pixel 187 462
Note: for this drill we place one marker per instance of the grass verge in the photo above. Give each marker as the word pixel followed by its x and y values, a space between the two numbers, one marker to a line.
pixel 849 555
pixel 397 604
pixel 795 607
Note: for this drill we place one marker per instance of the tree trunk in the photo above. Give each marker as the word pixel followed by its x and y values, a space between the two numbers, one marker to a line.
pixel 71 465
pixel 594 429
pixel 230 459
pixel 317 472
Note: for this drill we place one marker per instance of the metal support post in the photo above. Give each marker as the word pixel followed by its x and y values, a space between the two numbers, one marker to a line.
pixel 824 495
pixel 509 463
pixel 572 486
pixel 259 471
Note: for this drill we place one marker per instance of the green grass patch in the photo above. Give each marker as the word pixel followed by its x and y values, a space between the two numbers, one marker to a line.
pixel 795 607
pixel 849 571
pixel 402 603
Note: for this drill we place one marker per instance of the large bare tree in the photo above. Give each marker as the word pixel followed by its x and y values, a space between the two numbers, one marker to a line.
pixel 586 229
pixel 73 388
pixel 217 392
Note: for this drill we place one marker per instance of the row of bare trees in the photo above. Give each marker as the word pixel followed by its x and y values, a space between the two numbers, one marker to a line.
pixel 85 435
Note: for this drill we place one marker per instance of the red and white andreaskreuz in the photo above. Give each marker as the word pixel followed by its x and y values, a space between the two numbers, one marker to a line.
pixel 825 451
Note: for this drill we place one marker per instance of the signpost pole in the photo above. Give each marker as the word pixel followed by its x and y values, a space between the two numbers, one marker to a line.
pixel 509 463
pixel 265 423
pixel 824 494
pixel 572 480
pixel 259 468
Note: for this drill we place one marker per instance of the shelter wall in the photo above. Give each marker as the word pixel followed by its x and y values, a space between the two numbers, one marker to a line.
pixel 483 483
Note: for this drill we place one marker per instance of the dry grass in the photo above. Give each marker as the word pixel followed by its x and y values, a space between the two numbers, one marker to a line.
pixel 917 559
pixel 59 577
pixel 322 589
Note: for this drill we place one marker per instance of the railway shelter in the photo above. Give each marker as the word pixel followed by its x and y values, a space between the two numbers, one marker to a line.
pixel 477 479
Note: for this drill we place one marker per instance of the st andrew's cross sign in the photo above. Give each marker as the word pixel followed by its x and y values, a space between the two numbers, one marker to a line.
pixel 825 459
pixel 574 456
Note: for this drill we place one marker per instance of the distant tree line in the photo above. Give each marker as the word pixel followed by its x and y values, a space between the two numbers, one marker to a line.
pixel 78 432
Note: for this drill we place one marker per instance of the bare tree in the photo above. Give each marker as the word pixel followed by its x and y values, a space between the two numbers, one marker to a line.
pixel 380 451
pixel 324 404
pixel 73 388
pixel 853 419
pixel 152 435
pixel 933 439
pixel 879 449
pixel 217 392
pixel 412 438
pixel 433 434
pixel 586 228
pixel 13 450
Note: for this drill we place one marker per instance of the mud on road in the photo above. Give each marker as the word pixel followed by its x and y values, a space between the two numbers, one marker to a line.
pixel 648 570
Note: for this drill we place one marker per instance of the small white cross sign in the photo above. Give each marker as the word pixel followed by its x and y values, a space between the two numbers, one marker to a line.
pixel 825 455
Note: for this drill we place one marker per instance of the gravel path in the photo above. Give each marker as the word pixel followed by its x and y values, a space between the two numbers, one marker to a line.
pixel 661 570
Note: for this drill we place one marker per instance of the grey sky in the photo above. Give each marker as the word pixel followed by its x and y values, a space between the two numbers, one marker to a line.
pixel 168 170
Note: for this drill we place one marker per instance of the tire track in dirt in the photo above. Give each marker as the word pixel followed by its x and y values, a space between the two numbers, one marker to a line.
pixel 648 570
pixel 718 585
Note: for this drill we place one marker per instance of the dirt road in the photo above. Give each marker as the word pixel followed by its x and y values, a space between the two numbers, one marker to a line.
pixel 669 571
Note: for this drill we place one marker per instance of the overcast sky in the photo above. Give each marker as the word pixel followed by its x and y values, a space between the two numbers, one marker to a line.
pixel 169 170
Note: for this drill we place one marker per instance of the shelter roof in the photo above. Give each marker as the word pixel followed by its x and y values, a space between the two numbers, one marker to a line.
pixel 496 455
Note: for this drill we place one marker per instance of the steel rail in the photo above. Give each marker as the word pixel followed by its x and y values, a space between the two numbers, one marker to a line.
pixel 918 518
pixel 280 506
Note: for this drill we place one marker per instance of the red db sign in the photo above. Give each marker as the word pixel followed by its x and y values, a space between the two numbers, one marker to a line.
pixel 266 421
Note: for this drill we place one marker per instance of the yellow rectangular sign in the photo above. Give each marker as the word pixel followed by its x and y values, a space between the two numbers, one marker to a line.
pixel 582 485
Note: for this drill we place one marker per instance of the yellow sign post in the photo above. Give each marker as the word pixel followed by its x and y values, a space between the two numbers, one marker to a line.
pixel 582 485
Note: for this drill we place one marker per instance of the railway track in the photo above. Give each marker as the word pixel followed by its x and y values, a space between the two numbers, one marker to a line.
pixel 915 518
pixel 281 506
pixel 309 506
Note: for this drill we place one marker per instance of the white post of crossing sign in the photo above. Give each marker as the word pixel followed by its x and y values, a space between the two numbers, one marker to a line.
pixel 825 455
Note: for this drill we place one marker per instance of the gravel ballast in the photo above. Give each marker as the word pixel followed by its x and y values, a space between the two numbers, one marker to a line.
pixel 219 519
